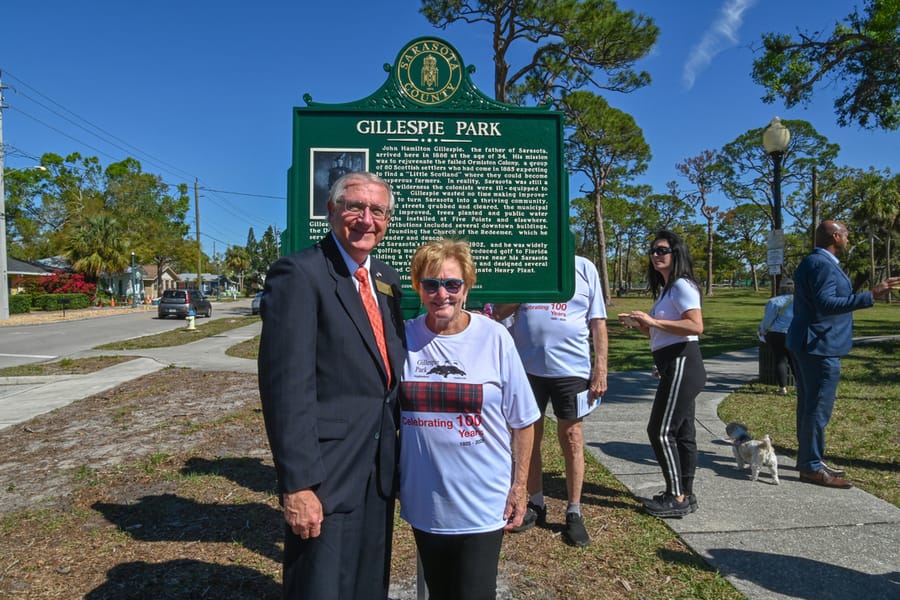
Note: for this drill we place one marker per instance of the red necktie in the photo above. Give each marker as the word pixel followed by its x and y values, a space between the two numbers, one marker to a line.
pixel 368 300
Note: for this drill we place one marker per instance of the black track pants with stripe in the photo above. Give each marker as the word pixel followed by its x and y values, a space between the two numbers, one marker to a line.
pixel 671 427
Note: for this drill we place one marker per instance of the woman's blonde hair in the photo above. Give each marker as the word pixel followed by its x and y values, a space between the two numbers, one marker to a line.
pixel 430 258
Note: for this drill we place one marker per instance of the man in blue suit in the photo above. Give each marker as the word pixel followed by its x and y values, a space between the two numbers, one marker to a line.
pixel 819 335
pixel 330 356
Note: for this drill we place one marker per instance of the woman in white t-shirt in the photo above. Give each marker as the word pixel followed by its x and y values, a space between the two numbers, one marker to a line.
pixel 674 325
pixel 467 417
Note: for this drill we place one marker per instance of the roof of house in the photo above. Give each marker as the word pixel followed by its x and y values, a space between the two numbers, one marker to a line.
pixel 14 266
pixel 150 271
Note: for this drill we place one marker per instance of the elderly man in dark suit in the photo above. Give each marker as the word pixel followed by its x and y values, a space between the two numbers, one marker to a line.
pixel 819 335
pixel 330 355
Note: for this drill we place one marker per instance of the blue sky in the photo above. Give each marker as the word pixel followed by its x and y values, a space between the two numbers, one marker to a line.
pixel 205 89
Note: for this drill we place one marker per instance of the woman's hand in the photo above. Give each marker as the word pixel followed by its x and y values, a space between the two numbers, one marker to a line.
pixel 637 319
pixel 516 505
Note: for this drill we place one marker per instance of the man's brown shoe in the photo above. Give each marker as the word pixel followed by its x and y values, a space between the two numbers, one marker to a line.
pixel 823 478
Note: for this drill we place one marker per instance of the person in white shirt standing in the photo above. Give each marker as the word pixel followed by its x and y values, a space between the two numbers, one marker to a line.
pixel 466 429
pixel 553 341
pixel 674 326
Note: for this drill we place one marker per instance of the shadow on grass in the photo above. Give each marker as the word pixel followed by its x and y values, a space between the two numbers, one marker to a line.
pixel 171 518
pixel 247 472
pixel 684 558
pixel 185 579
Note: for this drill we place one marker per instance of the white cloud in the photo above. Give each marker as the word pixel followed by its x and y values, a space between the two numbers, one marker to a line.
pixel 722 34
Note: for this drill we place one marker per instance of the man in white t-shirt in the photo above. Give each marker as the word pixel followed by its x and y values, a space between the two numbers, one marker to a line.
pixel 553 342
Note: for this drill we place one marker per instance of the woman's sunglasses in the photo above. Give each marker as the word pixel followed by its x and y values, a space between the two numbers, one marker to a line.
pixel 432 285
pixel 659 251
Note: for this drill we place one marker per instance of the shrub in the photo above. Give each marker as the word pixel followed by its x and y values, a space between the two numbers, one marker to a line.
pixel 59 282
pixel 19 304
pixel 61 301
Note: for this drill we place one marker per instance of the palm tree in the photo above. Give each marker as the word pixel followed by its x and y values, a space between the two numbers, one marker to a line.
pixel 237 260
pixel 97 248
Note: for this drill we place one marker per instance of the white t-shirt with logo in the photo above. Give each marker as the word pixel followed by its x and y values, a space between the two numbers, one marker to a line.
pixel 459 398
pixel 553 339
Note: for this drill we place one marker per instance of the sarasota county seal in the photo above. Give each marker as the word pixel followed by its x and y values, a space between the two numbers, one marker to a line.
pixel 429 71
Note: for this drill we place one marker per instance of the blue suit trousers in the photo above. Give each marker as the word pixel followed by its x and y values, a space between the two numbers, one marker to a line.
pixel 817 380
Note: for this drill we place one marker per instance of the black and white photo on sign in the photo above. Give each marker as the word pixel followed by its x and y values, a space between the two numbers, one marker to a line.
pixel 327 166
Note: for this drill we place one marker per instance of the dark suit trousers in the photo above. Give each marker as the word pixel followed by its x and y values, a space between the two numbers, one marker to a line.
pixel 350 560
pixel 817 381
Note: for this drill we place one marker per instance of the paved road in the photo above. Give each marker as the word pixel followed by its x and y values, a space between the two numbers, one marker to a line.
pixel 41 342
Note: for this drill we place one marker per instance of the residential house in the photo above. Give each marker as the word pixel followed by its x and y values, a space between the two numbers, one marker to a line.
pixel 211 283
pixel 153 287
pixel 19 272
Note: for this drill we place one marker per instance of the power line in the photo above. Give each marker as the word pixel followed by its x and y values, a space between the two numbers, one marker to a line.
pixel 243 194
pixel 222 203
pixel 152 158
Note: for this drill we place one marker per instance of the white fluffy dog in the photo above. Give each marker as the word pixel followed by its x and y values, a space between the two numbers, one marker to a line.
pixel 756 453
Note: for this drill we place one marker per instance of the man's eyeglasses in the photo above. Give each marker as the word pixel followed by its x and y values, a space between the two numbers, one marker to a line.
pixel 358 209
pixel 432 285
pixel 659 251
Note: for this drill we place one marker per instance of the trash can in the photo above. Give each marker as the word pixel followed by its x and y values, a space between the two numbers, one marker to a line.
pixel 767 373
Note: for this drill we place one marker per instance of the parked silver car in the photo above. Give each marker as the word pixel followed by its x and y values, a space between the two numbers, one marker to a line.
pixel 180 303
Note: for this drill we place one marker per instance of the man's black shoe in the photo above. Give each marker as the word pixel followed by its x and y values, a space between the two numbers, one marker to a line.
pixel 575 533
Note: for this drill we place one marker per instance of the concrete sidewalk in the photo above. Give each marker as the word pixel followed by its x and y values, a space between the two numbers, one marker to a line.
pixel 793 540
pixel 22 398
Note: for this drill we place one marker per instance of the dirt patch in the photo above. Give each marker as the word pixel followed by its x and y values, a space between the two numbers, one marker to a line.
pixel 129 492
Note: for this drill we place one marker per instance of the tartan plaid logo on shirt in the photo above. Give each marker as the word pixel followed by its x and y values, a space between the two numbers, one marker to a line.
pixel 441 397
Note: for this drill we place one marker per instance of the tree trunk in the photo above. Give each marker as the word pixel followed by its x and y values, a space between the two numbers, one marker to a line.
pixel 887 261
pixel 601 246
pixel 872 275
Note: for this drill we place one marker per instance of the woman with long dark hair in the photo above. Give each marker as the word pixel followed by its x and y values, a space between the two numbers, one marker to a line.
pixel 674 325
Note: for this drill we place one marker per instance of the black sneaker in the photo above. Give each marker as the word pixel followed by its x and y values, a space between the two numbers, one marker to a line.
pixel 666 505
pixel 691 498
pixel 534 515
pixel 575 533
pixel 657 498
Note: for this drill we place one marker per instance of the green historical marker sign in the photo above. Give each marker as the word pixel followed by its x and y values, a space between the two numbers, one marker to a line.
pixel 461 165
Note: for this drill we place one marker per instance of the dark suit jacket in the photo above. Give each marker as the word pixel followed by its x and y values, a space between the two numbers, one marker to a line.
pixel 328 415
pixel 823 307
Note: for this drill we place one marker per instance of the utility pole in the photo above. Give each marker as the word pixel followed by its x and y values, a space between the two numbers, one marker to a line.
pixel 197 223
pixel 4 276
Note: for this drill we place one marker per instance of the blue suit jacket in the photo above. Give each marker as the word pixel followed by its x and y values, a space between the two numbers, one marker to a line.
pixel 328 416
pixel 823 307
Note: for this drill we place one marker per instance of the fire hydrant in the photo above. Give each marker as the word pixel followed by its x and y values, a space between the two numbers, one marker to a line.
pixel 190 321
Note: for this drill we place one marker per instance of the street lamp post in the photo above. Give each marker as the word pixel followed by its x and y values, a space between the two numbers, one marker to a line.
pixel 133 284
pixel 775 140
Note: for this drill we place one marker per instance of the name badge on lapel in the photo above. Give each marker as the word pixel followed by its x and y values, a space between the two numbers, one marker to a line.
pixel 384 288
